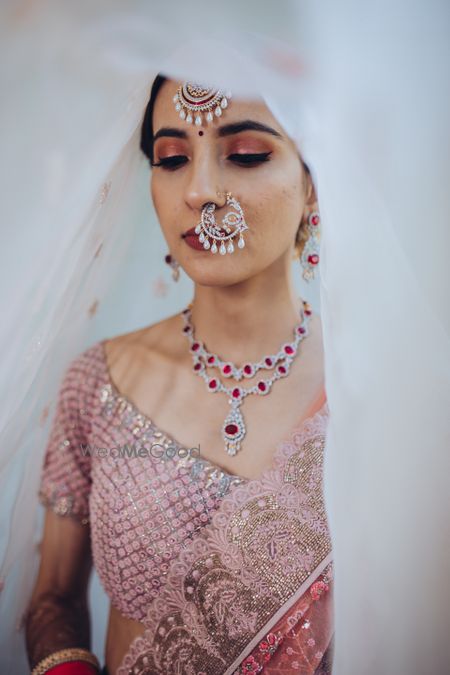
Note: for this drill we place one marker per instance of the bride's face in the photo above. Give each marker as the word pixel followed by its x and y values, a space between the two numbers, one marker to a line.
pixel 245 152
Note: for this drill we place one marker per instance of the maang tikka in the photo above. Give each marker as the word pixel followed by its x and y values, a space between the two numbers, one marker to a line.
pixel 192 100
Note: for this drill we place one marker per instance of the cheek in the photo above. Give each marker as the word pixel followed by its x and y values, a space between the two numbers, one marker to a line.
pixel 162 198
pixel 157 193
pixel 278 209
pixel 165 209
pixel 154 192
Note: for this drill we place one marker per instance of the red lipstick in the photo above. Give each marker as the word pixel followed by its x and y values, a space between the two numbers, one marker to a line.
pixel 192 240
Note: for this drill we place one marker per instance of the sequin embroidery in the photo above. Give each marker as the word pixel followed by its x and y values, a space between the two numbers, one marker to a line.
pixel 142 511
pixel 263 547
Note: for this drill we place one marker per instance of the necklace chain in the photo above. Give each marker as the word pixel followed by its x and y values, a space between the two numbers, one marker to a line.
pixel 233 428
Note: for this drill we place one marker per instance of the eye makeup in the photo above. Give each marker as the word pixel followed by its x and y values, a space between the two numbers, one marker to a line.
pixel 249 159
pixel 242 150
pixel 171 162
pixel 247 145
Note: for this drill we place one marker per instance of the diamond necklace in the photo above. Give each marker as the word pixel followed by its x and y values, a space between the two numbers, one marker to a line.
pixel 233 428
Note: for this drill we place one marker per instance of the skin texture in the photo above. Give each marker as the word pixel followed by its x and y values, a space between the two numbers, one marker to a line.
pixel 244 306
pixel 272 193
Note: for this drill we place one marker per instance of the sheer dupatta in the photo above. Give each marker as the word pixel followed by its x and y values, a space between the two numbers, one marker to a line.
pixel 252 591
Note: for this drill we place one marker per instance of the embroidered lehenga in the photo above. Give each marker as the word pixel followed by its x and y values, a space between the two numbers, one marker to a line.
pixel 227 575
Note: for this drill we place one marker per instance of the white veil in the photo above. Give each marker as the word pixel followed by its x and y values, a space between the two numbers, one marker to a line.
pixel 364 90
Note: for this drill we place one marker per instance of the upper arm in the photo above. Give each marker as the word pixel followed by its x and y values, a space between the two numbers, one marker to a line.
pixel 66 473
pixel 64 489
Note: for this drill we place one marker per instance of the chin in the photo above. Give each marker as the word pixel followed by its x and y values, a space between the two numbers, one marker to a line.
pixel 215 274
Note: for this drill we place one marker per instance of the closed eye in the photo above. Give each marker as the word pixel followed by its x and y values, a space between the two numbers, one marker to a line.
pixel 171 163
pixel 249 159
pixel 243 159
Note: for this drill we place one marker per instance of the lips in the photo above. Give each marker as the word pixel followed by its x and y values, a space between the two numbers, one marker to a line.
pixel 191 238
pixel 189 233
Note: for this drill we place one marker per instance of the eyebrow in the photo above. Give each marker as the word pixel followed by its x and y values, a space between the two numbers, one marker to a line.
pixel 225 130
pixel 170 133
pixel 246 125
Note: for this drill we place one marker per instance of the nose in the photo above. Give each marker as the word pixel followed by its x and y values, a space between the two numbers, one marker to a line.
pixel 203 182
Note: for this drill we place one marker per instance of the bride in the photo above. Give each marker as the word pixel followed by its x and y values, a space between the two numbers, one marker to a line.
pixel 209 534
pixel 356 87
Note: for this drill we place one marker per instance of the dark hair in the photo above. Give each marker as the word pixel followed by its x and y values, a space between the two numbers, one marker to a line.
pixel 147 123
pixel 146 144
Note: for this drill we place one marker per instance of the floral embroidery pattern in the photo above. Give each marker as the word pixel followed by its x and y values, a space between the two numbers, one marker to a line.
pixel 290 659
pixel 265 649
pixel 317 589
pixel 265 540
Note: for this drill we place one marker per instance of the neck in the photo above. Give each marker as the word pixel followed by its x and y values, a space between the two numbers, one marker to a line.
pixel 242 322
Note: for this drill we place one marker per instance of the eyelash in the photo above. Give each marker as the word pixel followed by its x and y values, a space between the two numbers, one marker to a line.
pixel 244 160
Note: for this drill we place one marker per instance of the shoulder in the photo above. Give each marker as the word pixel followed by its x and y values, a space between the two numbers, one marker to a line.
pixel 81 379
pixel 159 343
pixel 156 336
pixel 86 367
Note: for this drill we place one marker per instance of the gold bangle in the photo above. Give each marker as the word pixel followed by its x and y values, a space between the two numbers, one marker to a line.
pixel 64 656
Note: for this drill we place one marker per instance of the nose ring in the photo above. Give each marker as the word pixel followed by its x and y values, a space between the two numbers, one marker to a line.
pixel 227 195
pixel 233 224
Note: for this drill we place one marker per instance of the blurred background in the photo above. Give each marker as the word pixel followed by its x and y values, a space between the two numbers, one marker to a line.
pixel 364 90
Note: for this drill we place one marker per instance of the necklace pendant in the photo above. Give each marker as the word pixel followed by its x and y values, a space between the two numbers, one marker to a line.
pixel 233 428
pixel 233 431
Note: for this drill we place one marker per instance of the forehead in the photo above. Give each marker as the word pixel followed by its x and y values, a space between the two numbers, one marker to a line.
pixel 165 114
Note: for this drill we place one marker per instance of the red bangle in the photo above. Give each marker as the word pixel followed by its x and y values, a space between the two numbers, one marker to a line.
pixel 73 668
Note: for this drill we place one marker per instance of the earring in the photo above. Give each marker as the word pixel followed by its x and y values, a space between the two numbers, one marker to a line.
pixel 233 224
pixel 175 265
pixel 310 254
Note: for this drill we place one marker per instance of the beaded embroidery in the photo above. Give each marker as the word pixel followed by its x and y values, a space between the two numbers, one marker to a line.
pixel 142 511
pixel 265 541
pixel 202 558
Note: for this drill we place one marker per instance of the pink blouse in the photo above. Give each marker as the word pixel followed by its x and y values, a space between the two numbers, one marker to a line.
pixel 143 494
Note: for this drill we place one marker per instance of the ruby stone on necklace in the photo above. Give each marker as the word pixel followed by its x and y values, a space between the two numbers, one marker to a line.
pixel 233 428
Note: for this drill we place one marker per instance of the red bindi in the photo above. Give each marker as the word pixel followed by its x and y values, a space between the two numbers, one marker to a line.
pixel 200 133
